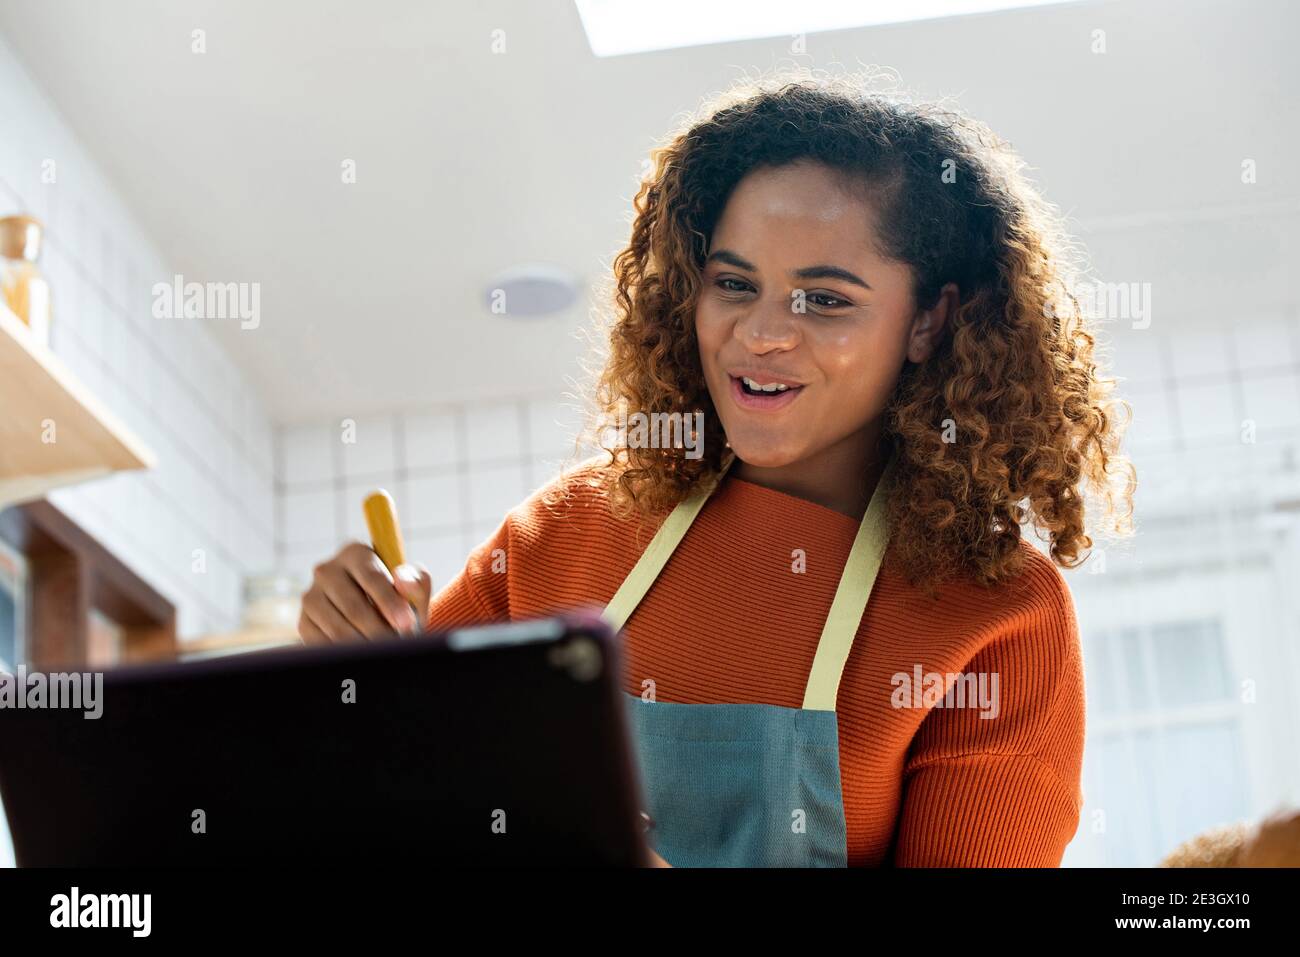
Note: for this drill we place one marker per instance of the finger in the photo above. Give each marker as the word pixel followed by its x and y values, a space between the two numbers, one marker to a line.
pixel 309 632
pixel 415 584
pixel 374 579
pixel 331 622
pixel 350 601
pixel 330 584
pixel 324 620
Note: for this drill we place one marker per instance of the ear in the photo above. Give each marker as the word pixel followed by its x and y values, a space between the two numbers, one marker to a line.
pixel 928 326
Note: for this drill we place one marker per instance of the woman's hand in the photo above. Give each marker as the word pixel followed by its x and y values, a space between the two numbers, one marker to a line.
pixel 353 598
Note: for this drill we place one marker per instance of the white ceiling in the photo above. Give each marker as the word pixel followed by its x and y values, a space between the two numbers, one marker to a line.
pixel 470 162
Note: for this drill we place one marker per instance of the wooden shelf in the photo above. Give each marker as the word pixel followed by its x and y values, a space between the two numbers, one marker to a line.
pixel 86 606
pixel 35 386
pixel 236 642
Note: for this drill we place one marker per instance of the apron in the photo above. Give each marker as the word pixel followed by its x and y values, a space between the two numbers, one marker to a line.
pixel 751 785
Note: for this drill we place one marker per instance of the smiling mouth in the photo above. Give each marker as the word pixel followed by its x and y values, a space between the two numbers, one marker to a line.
pixel 763 396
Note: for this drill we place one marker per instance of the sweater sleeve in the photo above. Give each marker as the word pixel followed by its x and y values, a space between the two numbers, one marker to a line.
pixel 1004 791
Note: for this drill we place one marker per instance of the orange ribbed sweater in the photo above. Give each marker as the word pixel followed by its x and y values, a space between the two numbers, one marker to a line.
pixel 729 620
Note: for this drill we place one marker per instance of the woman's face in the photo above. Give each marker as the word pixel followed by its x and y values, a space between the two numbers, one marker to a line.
pixel 795 294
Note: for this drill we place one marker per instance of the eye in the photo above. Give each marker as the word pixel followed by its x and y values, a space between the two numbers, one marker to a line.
pixel 722 283
pixel 824 300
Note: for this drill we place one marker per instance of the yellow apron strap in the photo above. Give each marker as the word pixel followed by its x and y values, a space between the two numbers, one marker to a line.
pixel 656 555
pixel 850 599
pixel 851 596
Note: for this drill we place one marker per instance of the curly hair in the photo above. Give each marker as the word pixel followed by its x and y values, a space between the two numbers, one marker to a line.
pixel 1001 426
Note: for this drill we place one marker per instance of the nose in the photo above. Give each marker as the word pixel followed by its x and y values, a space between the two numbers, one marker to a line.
pixel 770 324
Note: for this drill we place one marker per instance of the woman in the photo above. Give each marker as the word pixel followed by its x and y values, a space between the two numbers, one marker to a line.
pixel 869 308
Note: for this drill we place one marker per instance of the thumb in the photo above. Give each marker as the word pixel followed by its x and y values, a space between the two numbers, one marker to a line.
pixel 415 584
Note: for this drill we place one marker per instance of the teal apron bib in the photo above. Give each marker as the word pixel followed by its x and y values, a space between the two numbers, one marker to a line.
pixel 751 785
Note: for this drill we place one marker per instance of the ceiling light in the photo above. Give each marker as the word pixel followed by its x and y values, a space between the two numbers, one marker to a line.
pixel 533 289
pixel 616 27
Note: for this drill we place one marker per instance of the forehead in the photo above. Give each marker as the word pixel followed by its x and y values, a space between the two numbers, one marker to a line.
pixel 803 208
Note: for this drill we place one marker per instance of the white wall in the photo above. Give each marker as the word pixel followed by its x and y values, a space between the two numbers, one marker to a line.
pixel 167 379
pixel 454 471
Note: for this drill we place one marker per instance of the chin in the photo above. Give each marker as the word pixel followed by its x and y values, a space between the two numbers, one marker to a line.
pixel 763 455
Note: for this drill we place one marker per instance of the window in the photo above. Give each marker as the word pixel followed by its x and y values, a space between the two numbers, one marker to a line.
pixel 1166 736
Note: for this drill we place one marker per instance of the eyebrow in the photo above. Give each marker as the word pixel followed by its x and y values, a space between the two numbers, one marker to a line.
pixel 823 271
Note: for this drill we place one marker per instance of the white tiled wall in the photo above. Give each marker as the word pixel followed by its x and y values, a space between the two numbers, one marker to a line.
pixel 1193 390
pixel 454 471
pixel 167 379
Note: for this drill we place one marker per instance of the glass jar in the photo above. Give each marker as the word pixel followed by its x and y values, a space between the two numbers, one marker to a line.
pixel 272 601
pixel 22 286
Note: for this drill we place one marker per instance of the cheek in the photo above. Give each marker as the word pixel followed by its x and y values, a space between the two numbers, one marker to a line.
pixel 853 356
pixel 711 331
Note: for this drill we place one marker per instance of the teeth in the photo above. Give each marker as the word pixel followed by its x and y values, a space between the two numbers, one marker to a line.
pixel 773 387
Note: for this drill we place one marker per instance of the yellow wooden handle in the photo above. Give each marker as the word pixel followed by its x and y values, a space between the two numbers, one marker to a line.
pixel 385 535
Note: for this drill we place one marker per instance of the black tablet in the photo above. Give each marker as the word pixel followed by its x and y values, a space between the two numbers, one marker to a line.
pixel 493 745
